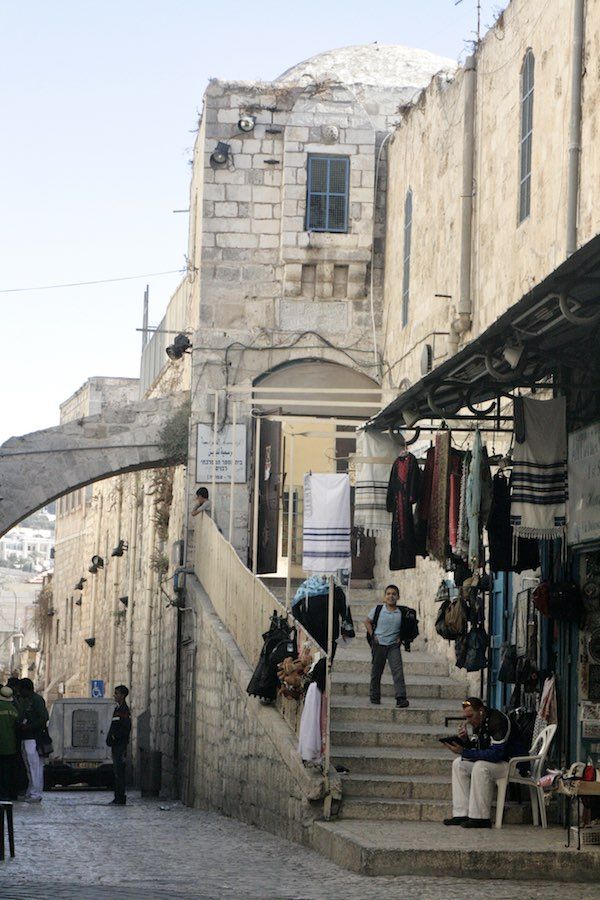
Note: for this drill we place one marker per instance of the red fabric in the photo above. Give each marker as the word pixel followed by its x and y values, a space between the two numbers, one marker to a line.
pixel 456 458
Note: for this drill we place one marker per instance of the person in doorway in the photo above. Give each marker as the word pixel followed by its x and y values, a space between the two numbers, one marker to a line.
pixel 480 761
pixel 33 719
pixel 117 739
pixel 202 502
pixel 384 625
pixel 8 745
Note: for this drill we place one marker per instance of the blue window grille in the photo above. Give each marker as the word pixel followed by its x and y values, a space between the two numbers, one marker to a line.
pixel 327 195
pixel 408 204
pixel 527 83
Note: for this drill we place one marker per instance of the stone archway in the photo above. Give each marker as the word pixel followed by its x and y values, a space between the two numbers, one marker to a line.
pixel 37 468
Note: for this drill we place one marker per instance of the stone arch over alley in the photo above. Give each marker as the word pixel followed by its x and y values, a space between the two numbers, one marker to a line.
pixel 37 468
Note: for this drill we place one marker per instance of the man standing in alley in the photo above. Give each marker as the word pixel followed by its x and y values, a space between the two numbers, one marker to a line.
pixel 33 719
pixel 8 745
pixel 117 739
pixel 384 628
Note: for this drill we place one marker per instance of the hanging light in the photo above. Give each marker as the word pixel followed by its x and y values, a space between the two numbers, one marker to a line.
pixel 120 549
pixel 80 583
pixel 221 154
pixel 180 345
pixel 98 562
pixel 90 641
pixel 246 123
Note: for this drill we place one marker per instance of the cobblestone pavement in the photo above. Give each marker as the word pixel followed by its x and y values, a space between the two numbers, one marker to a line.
pixel 75 847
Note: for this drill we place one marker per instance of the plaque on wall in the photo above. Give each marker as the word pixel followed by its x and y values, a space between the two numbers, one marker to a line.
pixel 230 450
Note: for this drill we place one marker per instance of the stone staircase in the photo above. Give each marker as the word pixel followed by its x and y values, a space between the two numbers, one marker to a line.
pixel 398 768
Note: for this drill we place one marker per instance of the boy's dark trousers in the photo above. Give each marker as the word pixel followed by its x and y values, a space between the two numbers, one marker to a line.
pixel 393 654
pixel 119 756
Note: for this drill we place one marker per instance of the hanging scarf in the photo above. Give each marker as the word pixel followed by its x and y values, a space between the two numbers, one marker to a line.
pixel 326 529
pixel 539 477
pixel 437 529
pixel 462 536
pixel 372 478
pixel 315 586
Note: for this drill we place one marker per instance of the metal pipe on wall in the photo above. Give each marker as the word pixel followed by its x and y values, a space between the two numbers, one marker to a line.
pixel 575 125
pixel 116 588
pixel 93 604
pixel 148 598
pixel 132 559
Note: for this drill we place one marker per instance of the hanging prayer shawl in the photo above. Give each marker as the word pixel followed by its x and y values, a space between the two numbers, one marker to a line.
pixel 326 532
pixel 539 477
pixel 437 528
pixel 370 510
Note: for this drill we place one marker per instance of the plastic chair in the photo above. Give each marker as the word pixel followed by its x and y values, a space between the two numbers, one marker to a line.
pixel 537 759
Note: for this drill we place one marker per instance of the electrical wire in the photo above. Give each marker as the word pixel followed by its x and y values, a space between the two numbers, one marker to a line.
pixel 50 287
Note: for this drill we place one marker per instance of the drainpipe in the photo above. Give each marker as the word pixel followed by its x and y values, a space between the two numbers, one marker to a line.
pixel 148 598
pixel 95 578
pixel 575 125
pixel 464 318
pixel 131 581
pixel 116 584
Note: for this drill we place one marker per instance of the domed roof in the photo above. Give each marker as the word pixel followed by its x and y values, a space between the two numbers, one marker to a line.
pixel 382 65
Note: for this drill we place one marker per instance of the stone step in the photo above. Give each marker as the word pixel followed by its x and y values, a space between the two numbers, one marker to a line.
pixel 379 734
pixel 413 664
pixel 393 760
pixel 429 849
pixel 398 787
pixel 386 809
pixel 355 684
pixel 422 711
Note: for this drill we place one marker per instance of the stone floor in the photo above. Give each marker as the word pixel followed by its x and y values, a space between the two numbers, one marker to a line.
pixel 75 847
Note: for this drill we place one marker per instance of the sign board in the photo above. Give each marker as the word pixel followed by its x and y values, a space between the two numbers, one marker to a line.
pixel 84 728
pixel 97 688
pixel 584 485
pixel 229 451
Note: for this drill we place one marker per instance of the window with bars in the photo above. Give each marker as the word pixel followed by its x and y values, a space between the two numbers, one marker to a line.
pixel 408 205
pixel 327 194
pixel 527 80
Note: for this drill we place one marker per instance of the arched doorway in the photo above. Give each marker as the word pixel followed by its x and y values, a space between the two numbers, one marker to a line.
pixel 307 412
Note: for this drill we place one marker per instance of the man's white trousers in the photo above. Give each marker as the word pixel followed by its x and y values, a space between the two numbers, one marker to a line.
pixel 35 769
pixel 473 786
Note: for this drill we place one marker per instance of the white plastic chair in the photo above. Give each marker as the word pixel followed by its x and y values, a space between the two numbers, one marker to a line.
pixel 537 759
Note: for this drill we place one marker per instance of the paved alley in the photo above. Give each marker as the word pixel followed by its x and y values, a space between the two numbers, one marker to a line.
pixel 75 846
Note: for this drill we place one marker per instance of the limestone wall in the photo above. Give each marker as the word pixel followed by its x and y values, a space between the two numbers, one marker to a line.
pixel 246 762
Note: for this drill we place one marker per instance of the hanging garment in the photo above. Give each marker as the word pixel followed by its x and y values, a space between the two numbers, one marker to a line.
pixel 424 503
pixel 313 586
pixel 547 713
pixel 455 476
pixel 370 492
pixel 312 613
pixel 326 531
pixel 498 525
pixel 462 535
pixel 539 478
pixel 478 498
pixel 309 737
pixel 437 526
pixel 403 491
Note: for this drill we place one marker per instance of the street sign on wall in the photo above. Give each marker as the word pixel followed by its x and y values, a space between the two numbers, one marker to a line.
pixel 584 485
pixel 97 688
pixel 228 451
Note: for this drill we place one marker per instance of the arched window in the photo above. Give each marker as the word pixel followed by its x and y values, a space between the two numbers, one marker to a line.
pixel 406 255
pixel 527 79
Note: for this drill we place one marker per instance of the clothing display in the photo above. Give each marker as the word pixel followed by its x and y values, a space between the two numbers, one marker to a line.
pixel 370 491
pixel 423 507
pixel 310 741
pixel 539 478
pixel 498 525
pixel 312 613
pixel 402 493
pixel 547 713
pixel 461 548
pixel 478 498
pixel 455 479
pixel 437 525
pixel 326 529
pixel 313 586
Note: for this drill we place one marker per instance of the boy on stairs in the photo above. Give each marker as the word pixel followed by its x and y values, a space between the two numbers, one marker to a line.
pixel 383 625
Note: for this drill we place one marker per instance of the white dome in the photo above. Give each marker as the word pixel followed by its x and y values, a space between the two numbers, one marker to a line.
pixel 380 65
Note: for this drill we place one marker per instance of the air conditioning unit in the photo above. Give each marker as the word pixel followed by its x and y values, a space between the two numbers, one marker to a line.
pixel 426 359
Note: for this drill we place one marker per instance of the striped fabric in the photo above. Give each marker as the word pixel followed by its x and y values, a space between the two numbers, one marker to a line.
pixel 326 531
pixel 370 491
pixel 539 477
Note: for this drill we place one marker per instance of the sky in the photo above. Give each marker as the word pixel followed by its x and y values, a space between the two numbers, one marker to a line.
pixel 100 102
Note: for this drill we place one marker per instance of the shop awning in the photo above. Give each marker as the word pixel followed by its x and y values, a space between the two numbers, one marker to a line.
pixel 554 326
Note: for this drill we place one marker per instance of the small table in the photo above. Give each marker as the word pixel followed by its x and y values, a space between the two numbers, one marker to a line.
pixel 577 790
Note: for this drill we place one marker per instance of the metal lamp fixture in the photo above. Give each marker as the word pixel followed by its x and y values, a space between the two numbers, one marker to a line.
pixel 221 154
pixel 247 123
pixel 180 345
pixel 97 563
pixel 80 583
pixel 90 641
pixel 120 549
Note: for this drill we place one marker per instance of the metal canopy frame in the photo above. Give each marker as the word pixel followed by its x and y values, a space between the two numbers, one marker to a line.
pixel 556 324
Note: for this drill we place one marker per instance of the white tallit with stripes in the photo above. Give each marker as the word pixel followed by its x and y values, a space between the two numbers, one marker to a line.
pixel 539 476
pixel 326 530
pixel 372 479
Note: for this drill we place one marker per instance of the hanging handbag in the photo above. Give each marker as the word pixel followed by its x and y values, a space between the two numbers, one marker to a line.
pixel 541 598
pixel 443 592
pixel 565 604
pixel 456 618
pixel 43 743
pixel 507 672
pixel 460 648
pixel 477 643
pixel 527 674
pixel 440 622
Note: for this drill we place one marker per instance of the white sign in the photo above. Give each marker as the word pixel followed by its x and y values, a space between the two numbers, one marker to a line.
pixel 227 451
pixel 584 485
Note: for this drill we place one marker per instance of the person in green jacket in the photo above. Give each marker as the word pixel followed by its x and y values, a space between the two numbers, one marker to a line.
pixel 33 718
pixel 8 745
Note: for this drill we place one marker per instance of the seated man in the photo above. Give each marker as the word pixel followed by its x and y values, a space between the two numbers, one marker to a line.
pixel 480 761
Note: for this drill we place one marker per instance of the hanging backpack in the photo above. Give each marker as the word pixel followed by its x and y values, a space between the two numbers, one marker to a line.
pixel 409 628
pixel 456 618
pixel 477 643
pixel 440 622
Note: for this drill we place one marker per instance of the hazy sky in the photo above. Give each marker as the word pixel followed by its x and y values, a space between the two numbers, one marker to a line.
pixel 99 103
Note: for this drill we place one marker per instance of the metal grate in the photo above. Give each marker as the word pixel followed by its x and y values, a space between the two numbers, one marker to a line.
pixel 327 200
pixel 527 75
